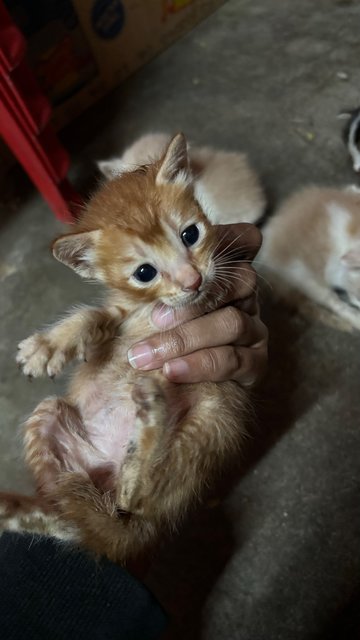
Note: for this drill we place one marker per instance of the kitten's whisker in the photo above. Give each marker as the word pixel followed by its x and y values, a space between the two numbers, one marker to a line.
pixel 220 241
pixel 252 245
pixel 235 239
pixel 226 278
pixel 227 247
pixel 235 251
pixel 232 273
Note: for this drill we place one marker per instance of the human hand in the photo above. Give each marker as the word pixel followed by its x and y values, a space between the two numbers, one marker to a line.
pixel 229 343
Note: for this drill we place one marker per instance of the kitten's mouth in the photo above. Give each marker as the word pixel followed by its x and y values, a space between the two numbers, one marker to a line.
pixel 195 296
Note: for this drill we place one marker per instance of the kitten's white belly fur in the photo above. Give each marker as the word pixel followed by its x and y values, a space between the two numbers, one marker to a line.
pixel 109 422
pixel 108 415
pixel 108 410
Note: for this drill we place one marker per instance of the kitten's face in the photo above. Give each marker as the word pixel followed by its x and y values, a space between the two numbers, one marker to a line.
pixel 145 235
pixel 173 263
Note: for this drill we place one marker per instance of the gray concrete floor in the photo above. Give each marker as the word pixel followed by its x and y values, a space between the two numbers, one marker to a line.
pixel 279 557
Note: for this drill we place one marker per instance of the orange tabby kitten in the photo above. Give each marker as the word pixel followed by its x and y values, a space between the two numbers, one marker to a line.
pixel 312 246
pixel 123 455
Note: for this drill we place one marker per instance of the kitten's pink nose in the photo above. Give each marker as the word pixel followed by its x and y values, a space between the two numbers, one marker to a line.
pixel 189 278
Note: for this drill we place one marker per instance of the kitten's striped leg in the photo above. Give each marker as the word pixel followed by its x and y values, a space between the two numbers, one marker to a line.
pixel 55 441
pixel 194 451
pixel 149 434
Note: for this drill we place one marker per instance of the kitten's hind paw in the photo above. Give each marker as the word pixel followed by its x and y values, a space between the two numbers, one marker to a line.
pixel 38 357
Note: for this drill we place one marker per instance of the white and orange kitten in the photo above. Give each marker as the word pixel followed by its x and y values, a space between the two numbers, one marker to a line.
pixel 225 184
pixel 312 247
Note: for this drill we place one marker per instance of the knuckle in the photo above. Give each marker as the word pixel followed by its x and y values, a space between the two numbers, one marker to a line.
pixel 265 332
pixel 234 323
pixel 223 364
pixel 210 363
pixel 247 282
pixel 246 373
pixel 263 356
pixel 177 341
pixel 253 367
pixel 251 278
pixel 233 362
pixel 261 334
pixel 248 304
pixel 254 239
pixel 257 237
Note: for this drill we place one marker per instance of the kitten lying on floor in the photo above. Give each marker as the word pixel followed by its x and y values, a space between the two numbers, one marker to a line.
pixel 225 185
pixel 123 455
pixel 311 246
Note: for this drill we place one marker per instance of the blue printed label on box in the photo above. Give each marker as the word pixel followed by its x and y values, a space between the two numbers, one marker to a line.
pixel 108 18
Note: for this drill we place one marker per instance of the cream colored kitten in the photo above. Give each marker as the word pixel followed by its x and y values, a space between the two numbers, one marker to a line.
pixel 312 247
pixel 226 186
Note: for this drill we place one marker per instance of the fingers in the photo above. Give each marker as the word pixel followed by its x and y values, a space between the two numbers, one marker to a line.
pixel 244 362
pixel 222 327
pixel 249 305
pixel 244 365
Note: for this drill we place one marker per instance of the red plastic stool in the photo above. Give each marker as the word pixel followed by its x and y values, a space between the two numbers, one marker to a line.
pixel 24 124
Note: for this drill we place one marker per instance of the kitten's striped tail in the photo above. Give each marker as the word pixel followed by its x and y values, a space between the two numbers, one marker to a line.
pixel 104 528
pixel 83 516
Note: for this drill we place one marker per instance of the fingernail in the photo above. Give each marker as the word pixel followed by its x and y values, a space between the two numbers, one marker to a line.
pixel 176 370
pixel 141 355
pixel 163 316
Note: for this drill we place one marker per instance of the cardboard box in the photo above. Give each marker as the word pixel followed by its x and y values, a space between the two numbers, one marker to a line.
pixel 81 49
pixel 124 34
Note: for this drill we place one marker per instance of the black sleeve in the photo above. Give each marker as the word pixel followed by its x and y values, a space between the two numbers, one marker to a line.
pixel 51 591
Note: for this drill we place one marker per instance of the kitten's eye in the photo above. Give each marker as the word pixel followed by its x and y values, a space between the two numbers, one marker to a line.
pixel 145 273
pixel 190 235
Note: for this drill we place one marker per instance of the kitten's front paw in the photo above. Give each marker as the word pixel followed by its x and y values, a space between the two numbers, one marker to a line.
pixel 37 356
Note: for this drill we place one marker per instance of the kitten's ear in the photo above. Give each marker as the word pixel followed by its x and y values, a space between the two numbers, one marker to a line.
pixel 351 259
pixel 174 166
pixel 77 251
pixel 111 168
